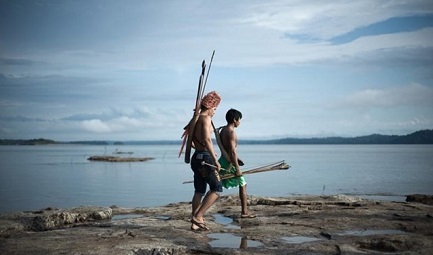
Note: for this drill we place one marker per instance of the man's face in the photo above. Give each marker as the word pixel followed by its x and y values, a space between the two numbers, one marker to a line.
pixel 212 111
pixel 237 122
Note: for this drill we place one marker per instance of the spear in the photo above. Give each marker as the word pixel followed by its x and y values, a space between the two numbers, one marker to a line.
pixel 280 165
pixel 189 129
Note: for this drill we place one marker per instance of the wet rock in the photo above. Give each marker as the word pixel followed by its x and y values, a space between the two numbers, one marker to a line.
pixel 290 225
pixel 326 235
pixel 160 251
pixel 389 244
pixel 49 218
pixel 418 198
pixel 60 218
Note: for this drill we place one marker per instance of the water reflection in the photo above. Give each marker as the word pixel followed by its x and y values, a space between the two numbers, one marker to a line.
pixel 227 240
pixel 244 243
pixel 226 221
pixel 369 232
pixel 299 239
pixel 126 216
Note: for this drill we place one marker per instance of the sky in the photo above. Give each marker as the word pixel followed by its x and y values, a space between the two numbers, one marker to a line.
pixel 128 70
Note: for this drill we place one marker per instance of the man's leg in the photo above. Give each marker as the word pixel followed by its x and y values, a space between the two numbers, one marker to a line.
pixel 208 201
pixel 244 200
pixel 196 200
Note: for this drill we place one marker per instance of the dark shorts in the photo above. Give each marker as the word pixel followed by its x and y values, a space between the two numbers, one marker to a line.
pixel 204 174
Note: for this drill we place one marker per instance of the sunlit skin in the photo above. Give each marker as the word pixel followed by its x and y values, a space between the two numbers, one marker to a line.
pixel 203 132
pixel 230 143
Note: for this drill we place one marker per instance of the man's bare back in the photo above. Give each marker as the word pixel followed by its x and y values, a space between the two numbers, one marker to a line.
pixel 203 132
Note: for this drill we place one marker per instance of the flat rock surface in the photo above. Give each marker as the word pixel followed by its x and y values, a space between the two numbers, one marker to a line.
pixel 290 225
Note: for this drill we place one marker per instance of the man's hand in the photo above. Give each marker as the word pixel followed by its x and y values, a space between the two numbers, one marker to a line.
pixel 238 172
pixel 240 162
pixel 218 166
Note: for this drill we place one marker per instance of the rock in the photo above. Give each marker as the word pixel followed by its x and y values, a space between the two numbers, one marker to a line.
pixel 48 219
pixel 418 198
pixel 290 225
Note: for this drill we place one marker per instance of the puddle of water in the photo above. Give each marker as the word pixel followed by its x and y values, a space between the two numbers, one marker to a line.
pixel 126 216
pixel 162 217
pixel 223 220
pixel 134 216
pixel 226 240
pixel 395 198
pixel 299 239
pixel 370 232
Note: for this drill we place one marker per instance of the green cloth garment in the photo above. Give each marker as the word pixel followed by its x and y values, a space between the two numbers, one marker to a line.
pixel 232 182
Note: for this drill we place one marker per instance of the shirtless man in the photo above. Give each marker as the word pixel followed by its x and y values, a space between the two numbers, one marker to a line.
pixel 204 152
pixel 229 142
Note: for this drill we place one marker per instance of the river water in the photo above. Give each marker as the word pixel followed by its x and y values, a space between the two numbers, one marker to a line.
pixel 35 177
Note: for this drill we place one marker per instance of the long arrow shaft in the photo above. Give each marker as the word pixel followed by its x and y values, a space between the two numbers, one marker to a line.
pixel 281 165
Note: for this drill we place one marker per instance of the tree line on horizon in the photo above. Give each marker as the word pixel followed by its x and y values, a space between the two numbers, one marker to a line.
pixel 418 137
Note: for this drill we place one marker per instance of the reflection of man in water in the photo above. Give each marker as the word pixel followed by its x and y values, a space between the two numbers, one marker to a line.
pixel 244 243
pixel 231 165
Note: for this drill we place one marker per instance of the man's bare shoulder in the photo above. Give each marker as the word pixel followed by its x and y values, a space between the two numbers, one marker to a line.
pixel 228 133
pixel 204 118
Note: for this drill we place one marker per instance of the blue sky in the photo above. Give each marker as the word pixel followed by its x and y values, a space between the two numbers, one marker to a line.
pixel 128 70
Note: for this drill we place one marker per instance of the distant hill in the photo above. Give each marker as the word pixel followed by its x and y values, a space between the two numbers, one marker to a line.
pixel 40 141
pixel 89 142
pixel 419 137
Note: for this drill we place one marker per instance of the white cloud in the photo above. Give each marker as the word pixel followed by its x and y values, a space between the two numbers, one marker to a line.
pixel 136 76
pixel 413 95
pixel 324 20
pixel 420 122
pixel 255 39
pixel 391 42
pixel 96 126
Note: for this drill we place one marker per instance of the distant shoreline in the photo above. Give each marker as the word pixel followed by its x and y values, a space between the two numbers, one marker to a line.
pixel 418 137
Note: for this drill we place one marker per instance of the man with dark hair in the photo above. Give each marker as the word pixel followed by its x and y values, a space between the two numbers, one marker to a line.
pixel 231 165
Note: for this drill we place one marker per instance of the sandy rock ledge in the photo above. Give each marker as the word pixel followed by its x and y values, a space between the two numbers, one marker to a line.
pixel 291 225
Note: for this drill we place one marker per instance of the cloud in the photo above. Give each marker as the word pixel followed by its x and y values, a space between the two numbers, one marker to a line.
pixel 413 95
pixel 420 122
pixel 131 69
pixel 96 126
pixel 121 124
pixel 328 19
pixel 244 34
pixel 390 26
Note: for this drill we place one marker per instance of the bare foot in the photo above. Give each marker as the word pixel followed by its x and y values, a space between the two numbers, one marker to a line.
pixel 248 216
pixel 199 224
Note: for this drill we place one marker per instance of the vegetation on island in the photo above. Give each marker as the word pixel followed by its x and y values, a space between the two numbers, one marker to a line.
pixel 418 137
pixel 40 141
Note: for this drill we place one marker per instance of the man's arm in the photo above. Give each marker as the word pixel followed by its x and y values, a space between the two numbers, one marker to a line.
pixel 207 140
pixel 232 145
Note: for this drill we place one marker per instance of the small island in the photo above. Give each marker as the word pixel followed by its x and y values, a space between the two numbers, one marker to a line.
pixel 118 159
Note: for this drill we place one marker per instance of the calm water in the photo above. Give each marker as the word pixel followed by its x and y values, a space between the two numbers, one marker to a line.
pixel 35 177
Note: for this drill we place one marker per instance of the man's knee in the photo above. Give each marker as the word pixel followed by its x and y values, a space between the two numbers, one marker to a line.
pixel 199 194
pixel 212 192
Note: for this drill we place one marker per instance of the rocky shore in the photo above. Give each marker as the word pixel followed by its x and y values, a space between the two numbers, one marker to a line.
pixel 290 225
